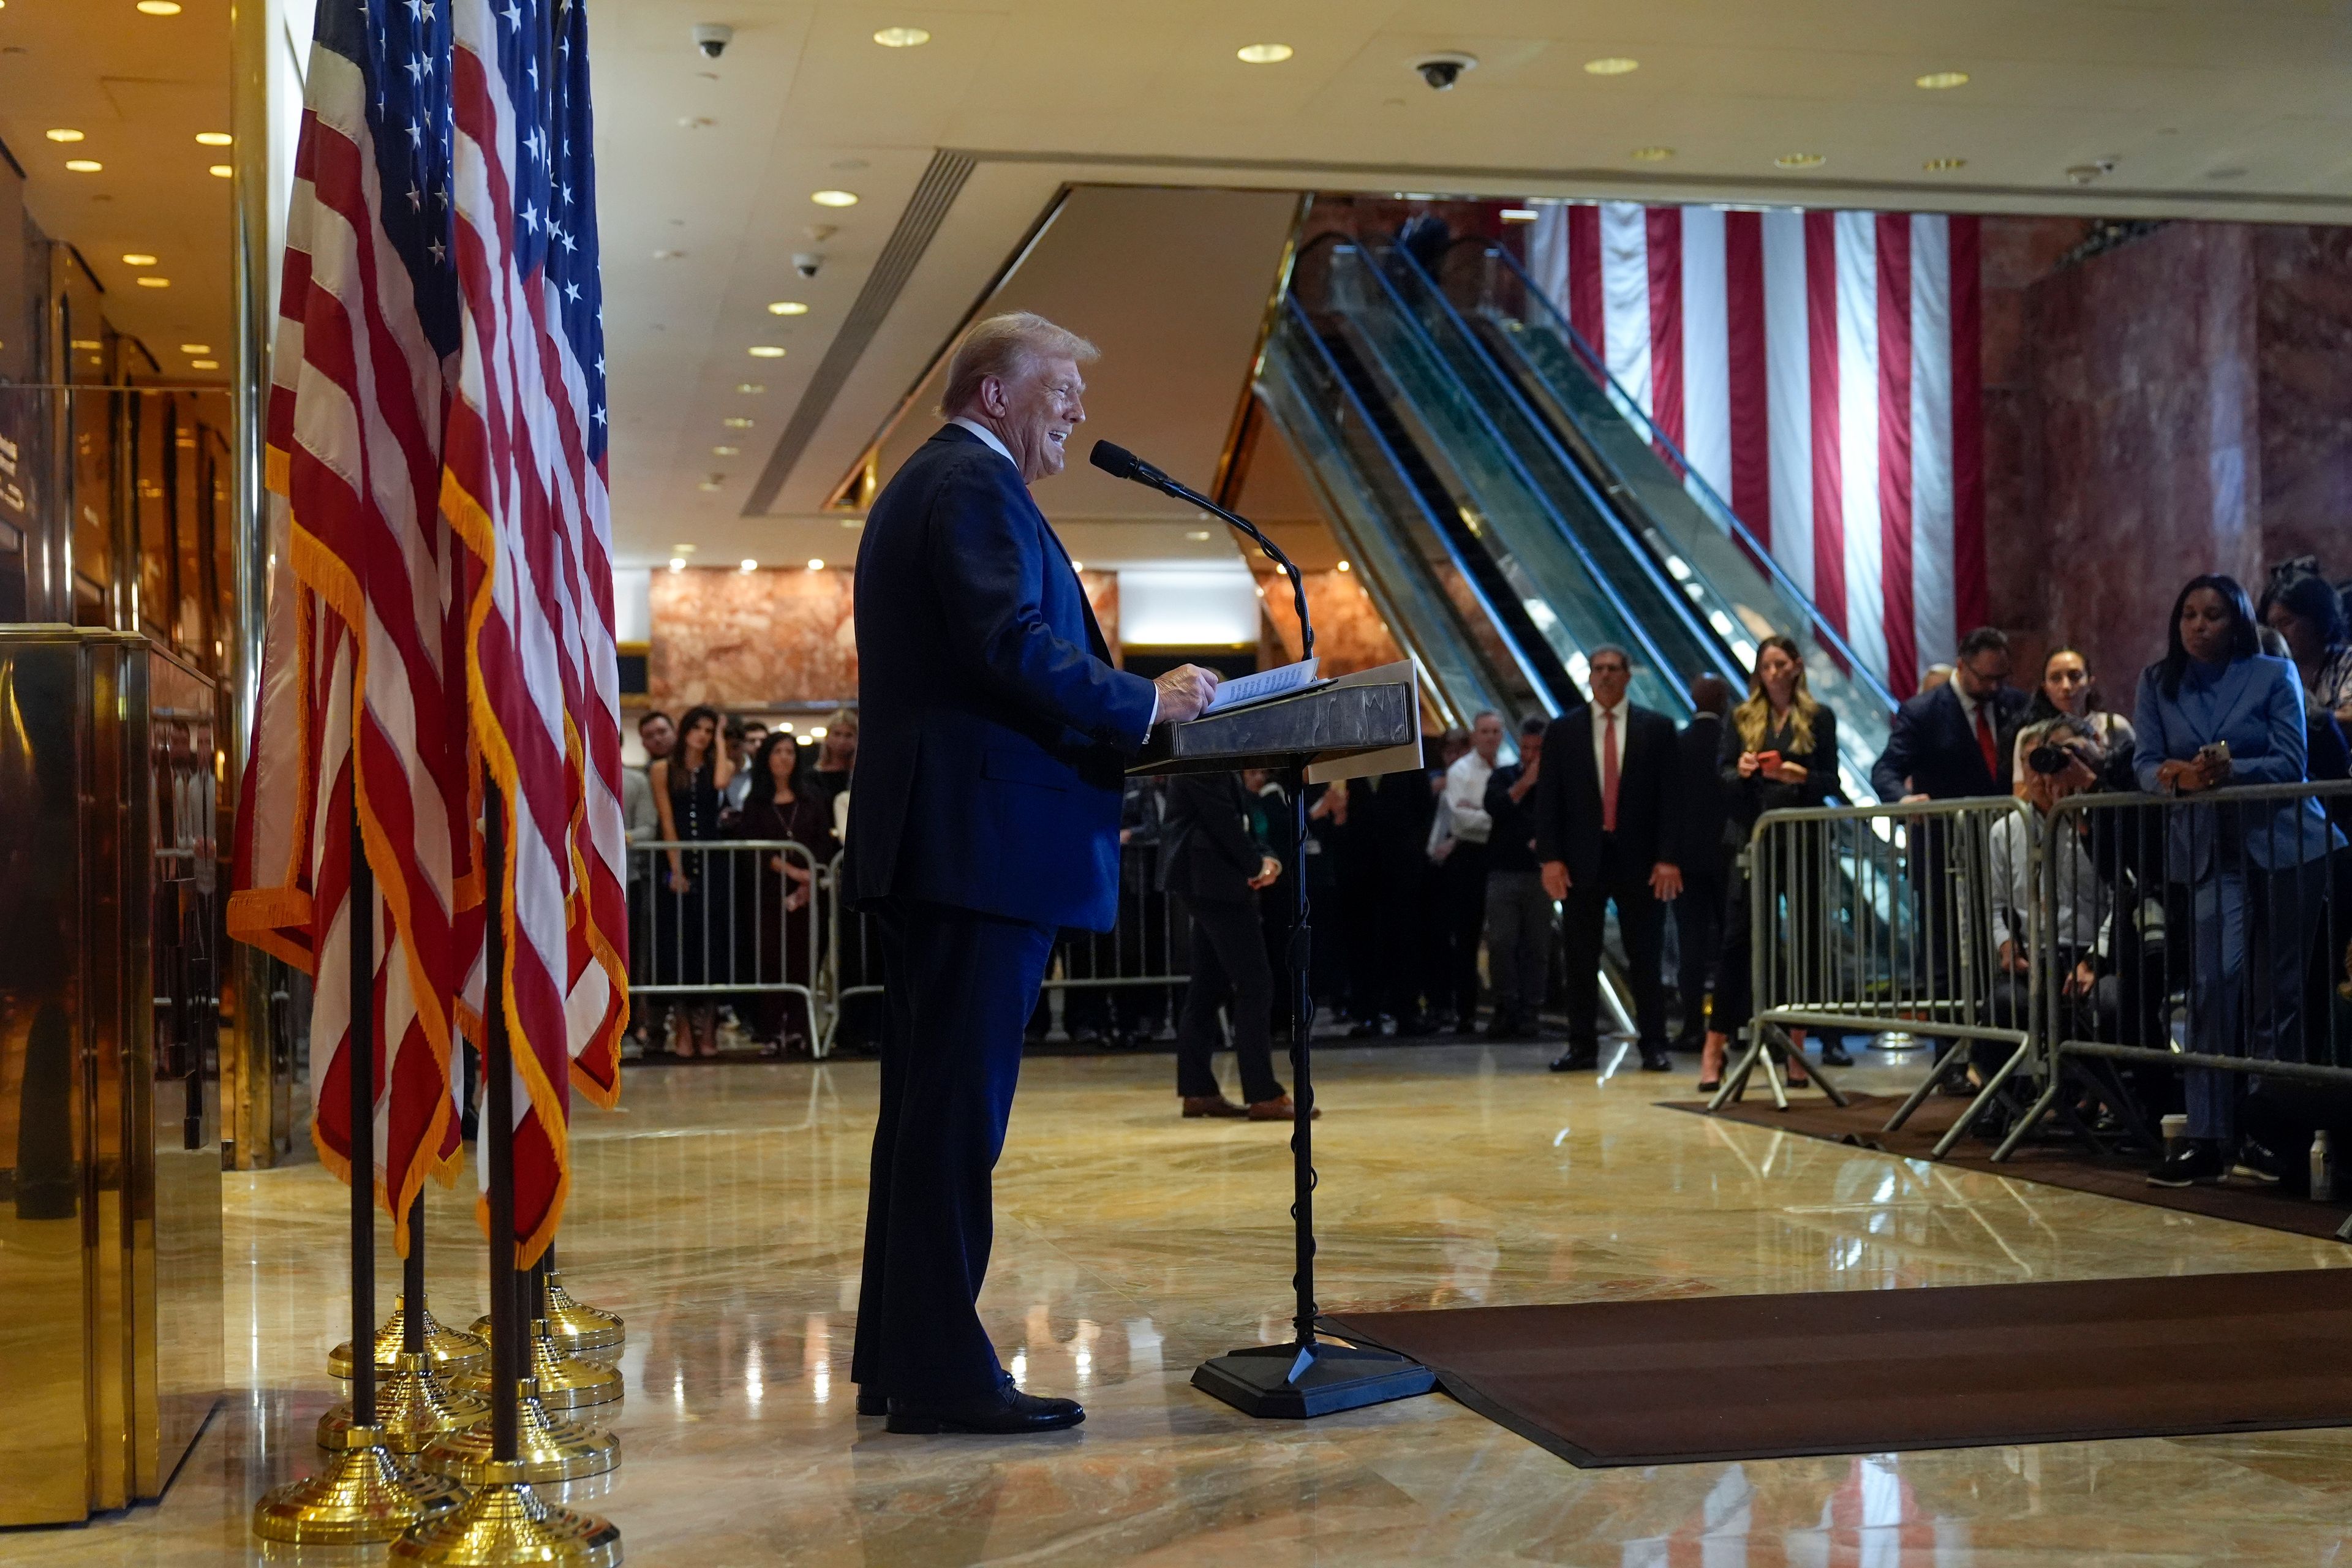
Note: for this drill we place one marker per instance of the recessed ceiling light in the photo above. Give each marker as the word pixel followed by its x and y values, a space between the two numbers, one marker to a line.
pixel 213 139
pixel 766 351
pixel 708 485
pixel 1938 165
pixel 1936 82
pixel 1262 54
pixel 84 165
pixel 1612 65
pixel 137 258
pixel 750 565
pixel 1800 160
pixel 750 388
pixel 834 198
pixel 678 563
pixel 154 282
pixel 902 38
pixel 1343 566
pixel 85 343
pixel 726 451
pixel 787 307
pixel 816 563
pixel 160 7
pixel 737 423
pixel 1196 534
pixel 204 364
pixel 853 522
pixel 220 171
pixel 196 348
pixel 1520 215
pixel 63 134
pixel 1078 565
pixel 1653 154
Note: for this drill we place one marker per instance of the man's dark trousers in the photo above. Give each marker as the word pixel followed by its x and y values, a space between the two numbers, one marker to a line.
pixel 1465 881
pixel 962 984
pixel 1229 969
pixel 1641 921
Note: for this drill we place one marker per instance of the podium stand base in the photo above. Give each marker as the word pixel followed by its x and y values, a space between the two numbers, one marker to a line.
pixel 1285 1382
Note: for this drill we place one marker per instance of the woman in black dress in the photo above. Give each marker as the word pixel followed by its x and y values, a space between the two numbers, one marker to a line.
pixel 693 913
pixel 1778 751
pixel 777 927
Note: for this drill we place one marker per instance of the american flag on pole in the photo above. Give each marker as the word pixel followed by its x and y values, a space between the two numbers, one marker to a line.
pixel 524 485
pixel 437 449
pixel 361 705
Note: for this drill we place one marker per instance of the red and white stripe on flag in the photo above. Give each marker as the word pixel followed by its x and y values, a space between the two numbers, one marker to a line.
pixel 1820 369
pixel 361 701
pixel 540 660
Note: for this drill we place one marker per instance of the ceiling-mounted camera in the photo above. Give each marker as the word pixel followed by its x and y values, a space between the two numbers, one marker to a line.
pixel 1441 71
pixel 712 39
pixel 807 262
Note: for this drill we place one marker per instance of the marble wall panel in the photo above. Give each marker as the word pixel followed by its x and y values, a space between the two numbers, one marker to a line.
pixel 2146 394
pixel 755 640
pixel 1349 634
pixel 2303 319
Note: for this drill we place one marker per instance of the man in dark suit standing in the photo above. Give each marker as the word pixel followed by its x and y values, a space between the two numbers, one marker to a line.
pixel 986 814
pixel 1705 859
pixel 1607 814
pixel 1954 741
pixel 1214 867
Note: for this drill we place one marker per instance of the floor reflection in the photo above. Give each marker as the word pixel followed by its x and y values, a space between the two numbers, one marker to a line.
pixel 722 1211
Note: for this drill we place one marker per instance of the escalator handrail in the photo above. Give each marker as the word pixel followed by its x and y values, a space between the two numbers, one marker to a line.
pixel 1599 369
pixel 1297 313
pixel 1632 623
pixel 1706 635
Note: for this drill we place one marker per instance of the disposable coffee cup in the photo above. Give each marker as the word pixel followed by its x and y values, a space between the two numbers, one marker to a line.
pixel 2176 1132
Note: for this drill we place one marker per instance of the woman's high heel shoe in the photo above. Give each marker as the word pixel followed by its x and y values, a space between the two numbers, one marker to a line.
pixel 1710 1065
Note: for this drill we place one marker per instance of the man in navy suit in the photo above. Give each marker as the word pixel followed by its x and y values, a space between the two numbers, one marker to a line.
pixel 994 733
pixel 1954 741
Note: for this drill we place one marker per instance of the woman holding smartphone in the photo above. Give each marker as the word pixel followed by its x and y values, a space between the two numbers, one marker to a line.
pixel 2250 877
pixel 1780 749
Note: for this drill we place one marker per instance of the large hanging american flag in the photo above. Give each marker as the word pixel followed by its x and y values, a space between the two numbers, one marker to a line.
pixel 1820 371
pixel 442 601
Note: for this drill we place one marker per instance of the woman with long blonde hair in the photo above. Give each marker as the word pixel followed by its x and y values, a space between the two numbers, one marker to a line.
pixel 1780 749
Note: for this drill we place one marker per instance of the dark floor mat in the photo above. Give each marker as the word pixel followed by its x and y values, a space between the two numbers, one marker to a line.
pixel 1739 1377
pixel 2054 1164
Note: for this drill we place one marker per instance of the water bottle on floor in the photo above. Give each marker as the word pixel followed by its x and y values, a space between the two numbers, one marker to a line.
pixel 2323 1169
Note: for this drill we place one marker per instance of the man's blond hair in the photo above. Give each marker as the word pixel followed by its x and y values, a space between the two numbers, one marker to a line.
pixel 1005 347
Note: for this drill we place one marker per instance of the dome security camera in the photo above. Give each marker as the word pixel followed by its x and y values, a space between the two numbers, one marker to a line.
pixel 1441 71
pixel 712 39
pixel 807 262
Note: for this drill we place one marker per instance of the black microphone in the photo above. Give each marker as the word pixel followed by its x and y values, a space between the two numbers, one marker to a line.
pixel 1121 463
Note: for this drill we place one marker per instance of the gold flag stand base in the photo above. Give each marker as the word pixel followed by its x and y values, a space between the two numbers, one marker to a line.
pixel 550 1447
pixel 505 1521
pixel 363 1496
pixel 449 1349
pixel 578 1328
pixel 412 1407
pixel 565 1382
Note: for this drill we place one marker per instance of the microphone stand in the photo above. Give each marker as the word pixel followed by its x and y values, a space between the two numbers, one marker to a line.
pixel 1308 1376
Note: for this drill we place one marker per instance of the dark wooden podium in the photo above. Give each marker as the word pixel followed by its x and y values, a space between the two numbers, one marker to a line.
pixel 1360 724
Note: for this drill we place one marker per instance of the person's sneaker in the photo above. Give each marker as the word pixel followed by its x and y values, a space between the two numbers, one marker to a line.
pixel 2256 1163
pixel 2200 1163
pixel 1834 1055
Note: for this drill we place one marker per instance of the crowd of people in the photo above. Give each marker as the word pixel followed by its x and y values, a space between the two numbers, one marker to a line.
pixel 1475 894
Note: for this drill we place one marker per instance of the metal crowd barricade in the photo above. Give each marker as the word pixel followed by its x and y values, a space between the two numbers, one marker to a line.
pixel 1116 971
pixel 748 928
pixel 2208 934
pixel 1886 918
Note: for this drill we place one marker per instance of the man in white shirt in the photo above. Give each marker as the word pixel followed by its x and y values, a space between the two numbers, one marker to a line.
pixel 1459 846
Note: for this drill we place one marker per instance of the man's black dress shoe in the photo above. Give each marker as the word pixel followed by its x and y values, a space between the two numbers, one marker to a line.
pixel 870 1403
pixel 1577 1058
pixel 1008 1413
pixel 1834 1055
pixel 1655 1059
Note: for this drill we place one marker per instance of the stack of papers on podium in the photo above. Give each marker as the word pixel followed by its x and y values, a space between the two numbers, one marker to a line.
pixel 1243 691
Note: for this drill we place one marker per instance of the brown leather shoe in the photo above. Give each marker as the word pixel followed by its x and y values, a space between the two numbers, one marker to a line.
pixel 1279 1108
pixel 1210 1105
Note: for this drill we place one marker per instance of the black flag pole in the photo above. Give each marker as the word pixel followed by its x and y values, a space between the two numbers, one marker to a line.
pixel 1308 1376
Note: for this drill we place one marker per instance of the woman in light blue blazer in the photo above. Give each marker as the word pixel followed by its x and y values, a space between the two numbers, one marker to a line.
pixel 2216 711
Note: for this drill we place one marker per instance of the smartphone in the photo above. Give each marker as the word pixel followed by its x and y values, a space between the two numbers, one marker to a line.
pixel 1768 762
pixel 2218 751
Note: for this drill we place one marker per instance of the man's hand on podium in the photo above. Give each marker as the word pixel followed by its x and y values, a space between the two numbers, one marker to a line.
pixel 1185 691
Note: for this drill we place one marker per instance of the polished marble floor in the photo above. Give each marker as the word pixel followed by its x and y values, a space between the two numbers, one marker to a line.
pixel 720 1211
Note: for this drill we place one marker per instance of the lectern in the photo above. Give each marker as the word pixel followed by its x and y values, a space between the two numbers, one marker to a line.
pixel 1357 725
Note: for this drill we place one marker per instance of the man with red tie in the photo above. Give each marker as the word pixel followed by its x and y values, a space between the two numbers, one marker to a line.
pixel 1605 817
pixel 1954 741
